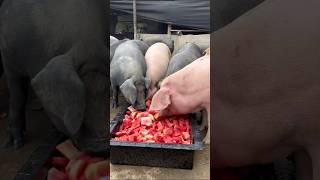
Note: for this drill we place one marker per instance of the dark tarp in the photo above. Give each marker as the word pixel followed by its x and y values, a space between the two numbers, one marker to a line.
pixel 189 13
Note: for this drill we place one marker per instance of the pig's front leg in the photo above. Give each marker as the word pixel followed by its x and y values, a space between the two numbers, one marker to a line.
pixel 18 99
pixel 114 97
pixel 206 139
pixel 204 121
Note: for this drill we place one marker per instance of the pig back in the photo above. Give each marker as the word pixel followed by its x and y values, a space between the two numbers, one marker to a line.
pixel 190 87
pixel 114 45
pixel 157 59
pixel 128 61
pixel 184 56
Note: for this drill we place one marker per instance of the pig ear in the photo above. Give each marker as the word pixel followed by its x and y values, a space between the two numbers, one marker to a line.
pixel 129 91
pixel 161 100
pixel 62 93
pixel 147 82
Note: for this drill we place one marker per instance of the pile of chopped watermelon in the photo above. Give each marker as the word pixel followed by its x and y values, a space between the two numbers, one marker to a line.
pixel 76 165
pixel 147 126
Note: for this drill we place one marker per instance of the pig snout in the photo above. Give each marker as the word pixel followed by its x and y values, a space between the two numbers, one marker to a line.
pixel 140 104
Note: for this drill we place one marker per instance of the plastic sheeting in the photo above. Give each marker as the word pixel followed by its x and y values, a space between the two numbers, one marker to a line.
pixel 189 13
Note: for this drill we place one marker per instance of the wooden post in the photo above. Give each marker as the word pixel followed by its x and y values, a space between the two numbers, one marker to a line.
pixel 169 29
pixel 135 18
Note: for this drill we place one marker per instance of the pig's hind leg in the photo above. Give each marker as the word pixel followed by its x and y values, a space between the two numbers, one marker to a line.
pixel 203 117
pixel 18 88
pixel 114 96
pixel 206 122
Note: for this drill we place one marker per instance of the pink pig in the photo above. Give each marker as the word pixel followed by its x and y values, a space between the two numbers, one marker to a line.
pixel 157 60
pixel 186 91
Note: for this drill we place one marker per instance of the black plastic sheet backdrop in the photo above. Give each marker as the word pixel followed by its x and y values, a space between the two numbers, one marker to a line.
pixel 188 13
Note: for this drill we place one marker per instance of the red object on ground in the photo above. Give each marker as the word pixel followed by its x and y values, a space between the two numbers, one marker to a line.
pixel 76 165
pixel 148 127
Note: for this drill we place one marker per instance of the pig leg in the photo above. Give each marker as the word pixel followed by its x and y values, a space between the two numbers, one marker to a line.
pixel 303 165
pixel 18 88
pixel 114 97
pixel 206 139
pixel 204 120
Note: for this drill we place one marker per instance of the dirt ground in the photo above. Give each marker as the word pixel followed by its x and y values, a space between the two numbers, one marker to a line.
pixel 37 126
pixel 201 165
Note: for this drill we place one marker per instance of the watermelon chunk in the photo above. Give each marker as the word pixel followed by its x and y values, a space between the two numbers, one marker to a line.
pixel 55 174
pixel 59 162
pixel 146 121
pixel 148 126
pixel 75 169
pixel 168 131
pixel 131 109
pixel 186 135
pixel 68 150
pixel 96 170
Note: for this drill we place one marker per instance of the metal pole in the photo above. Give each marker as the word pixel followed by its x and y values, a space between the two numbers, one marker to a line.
pixel 135 18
